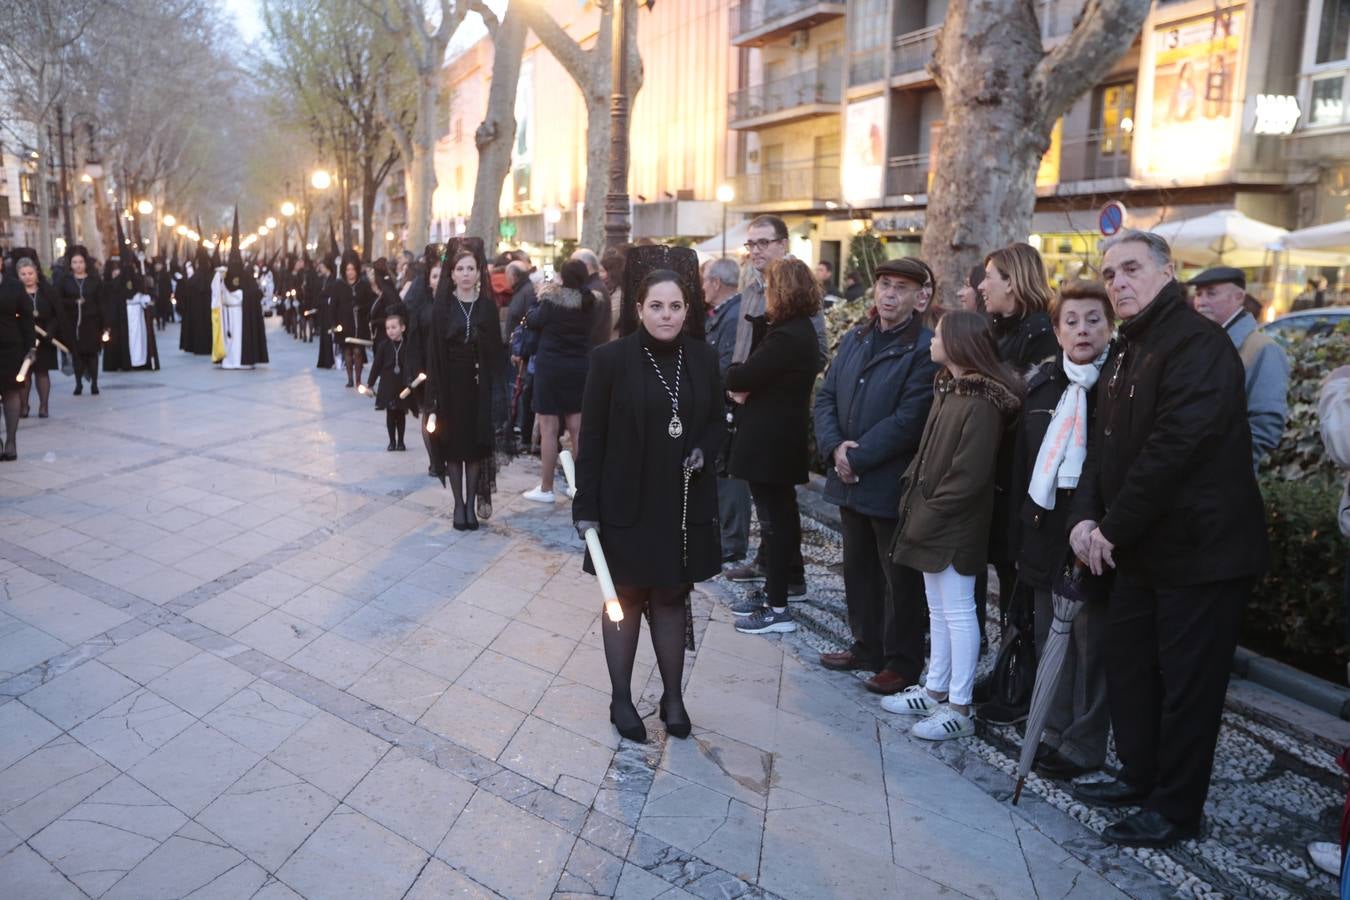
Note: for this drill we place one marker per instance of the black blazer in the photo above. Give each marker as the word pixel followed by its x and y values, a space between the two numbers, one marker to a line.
pixel 611 462
pixel 772 427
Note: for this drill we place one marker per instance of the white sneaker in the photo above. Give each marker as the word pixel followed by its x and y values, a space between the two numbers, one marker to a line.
pixel 944 725
pixel 912 701
pixel 571 493
pixel 538 495
pixel 1326 856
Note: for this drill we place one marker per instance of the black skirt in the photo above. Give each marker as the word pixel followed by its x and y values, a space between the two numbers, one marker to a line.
pixel 558 386
pixel 458 428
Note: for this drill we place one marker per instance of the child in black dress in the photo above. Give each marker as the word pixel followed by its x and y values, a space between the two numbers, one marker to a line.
pixel 391 367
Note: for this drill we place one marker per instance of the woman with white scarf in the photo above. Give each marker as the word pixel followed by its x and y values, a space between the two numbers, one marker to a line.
pixel 1049 453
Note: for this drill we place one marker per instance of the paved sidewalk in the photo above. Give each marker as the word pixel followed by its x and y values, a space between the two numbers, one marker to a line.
pixel 243 654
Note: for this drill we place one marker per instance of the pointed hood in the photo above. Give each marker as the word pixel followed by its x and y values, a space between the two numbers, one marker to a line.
pixel 334 254
pixel 201 259
pixel 234 268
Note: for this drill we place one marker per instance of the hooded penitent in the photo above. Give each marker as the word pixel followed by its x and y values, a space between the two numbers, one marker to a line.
pixel 234 269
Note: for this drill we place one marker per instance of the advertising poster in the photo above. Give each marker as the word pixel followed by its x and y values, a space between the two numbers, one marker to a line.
pixel 1196 108
pixel 864 162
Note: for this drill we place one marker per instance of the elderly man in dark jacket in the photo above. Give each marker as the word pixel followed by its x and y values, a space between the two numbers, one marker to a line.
pixel 724 307
pixel 869 415
pixel 1168 499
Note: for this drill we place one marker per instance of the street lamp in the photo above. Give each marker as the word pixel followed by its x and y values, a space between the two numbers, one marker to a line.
pixel 321 180
pixel 145 207
pixel 725 194
pixel 169 221
pixel 288 209
pixel 271 222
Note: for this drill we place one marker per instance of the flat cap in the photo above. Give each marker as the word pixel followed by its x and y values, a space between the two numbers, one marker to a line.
pixel 1220 275
pixel 911 267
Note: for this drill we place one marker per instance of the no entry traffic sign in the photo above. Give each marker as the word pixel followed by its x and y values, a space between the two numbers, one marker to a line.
pixel 1112 218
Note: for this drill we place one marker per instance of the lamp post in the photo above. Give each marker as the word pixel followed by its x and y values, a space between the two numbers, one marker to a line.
pixel 725 194
pixel 616 199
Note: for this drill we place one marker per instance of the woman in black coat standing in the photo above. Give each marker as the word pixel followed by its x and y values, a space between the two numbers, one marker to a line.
pixel 82 314
pixel 352 297
pixel 770 450
pixel 651 425
pixel 46 310
pixel 16 344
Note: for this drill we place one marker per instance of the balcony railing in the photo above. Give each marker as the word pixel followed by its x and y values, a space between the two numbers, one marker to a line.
pixel 1081 158
pixel 755 22
pixel 814 181
pixel 907 175
pixel 913 51
pixel 780 97
pixel 866 67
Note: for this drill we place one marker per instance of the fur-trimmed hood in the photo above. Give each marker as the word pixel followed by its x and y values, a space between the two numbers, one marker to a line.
pixel 564 297
pixel 976 385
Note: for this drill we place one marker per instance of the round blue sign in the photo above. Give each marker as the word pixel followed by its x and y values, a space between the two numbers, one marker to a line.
pixel 1112 218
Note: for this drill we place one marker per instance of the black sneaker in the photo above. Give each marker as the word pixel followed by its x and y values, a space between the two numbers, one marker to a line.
pixel 745 574
pixel 767 621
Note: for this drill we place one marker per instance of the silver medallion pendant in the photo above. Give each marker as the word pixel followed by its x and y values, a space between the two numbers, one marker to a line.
pixel 675 428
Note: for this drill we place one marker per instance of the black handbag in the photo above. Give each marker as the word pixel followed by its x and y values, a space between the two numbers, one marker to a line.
pixel 1013 676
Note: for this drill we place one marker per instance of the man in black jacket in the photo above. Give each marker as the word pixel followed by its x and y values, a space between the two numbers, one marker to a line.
pixel 869 415
pixel 1168 499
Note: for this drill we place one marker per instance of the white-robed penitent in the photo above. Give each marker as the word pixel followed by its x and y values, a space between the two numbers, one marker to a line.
pixel 231 306
pixel 138 342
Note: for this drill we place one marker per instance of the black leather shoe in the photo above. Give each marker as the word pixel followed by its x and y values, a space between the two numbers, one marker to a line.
pixel 1056 765
pixel 1110 793
pixel 628 722
pixel 677 726
pixel 1148 828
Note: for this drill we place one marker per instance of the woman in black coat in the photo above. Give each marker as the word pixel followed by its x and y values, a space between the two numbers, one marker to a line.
pixel 651 425
pixel 46 310
pixel 82 315
pixel 564 321
pixel 352 299
pixel 16 344
pixel 770 449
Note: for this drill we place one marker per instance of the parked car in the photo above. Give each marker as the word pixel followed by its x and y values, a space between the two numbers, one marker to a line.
pixel 1296 325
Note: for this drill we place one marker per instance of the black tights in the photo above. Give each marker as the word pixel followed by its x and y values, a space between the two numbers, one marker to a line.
pixel 86 366
pixel 355 360
pixel 667 627
pixel 12 398
pixel 464 483
pixel 44 390
pixel 395 420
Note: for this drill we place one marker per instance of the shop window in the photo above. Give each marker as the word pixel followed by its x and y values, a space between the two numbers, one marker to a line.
pixel 1333 32
pixel 1115 119
pixel 27 191
pixel 1328 105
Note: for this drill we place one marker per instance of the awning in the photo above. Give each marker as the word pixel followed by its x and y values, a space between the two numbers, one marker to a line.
pixel 1334 237
pixel 735 237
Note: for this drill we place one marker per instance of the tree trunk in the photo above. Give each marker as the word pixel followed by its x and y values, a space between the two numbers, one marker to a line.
pixel 597 164
pixel 497 134
pixel 1002 93
pixel 368 190
pixel 44 200
pixel 420 171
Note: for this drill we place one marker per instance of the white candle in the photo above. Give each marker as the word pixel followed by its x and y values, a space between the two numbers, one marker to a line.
pixel 431 423
pixel 407 391
pixel 611 596
pixel 569 468
pixel 23 370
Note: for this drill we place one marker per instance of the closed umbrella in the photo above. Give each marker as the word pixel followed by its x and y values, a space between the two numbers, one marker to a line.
pixel 1071 590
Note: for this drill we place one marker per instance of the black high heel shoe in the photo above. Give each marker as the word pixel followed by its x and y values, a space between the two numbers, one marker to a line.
pixel 632 727
pixel 678 728
pixel 461 517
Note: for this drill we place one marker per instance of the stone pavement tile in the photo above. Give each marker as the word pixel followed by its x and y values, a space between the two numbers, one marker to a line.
pixel 193 862
pixel 967 859
pixel 721 764
pixel 132 728
pixel 821 851
pixel 607 834
pixel 178 519
pixel 546 753
pixel 438 882
pixel 65 614
pixel 335 659
pixel 468 622
pixel 587 666
pixel 719 708
pixel 21 732
pixel 712 826
pixel 310 566
pixel 25 874
pixel 361 583
pixel 512 852
pixel 70 698
pixel 730 674
pixel 579 709
pixel 506 680
pixel 352 856
pixel 261 716
pixel 211 565
pixel 267 814
pixel 227 612
pixel 51 540
pixel 914 777
pixel 404 690
pixel 22 646
pixel 8 839
pixel 502 598
pixel 194 768
pixel 558 617
pixel 534 646
pixel 527 574
pixel 411 601
pixel 636 883
pixel 164 586
pixel 201 684
pixel 129 568
pixel 376 628
pixel 438 579
pixel 250 545
pixel 412 798
pixel 590 871
pixel 173 549
pixel 1056 873
pixel 839 767
pixel 724 638
pixel 329 753
pixel 44 784
pixel 275 890
pixel 17 581
pixel 283 529
pixel 278 634
pixel 321 606
pixel 103 838
pixel 148 656
pixel 471 720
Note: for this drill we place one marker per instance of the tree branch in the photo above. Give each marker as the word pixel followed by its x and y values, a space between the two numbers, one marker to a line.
pixel 1084 56
pixel 564 48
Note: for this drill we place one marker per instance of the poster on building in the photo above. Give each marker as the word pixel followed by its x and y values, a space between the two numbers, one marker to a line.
pixel 1197 107
pixel 522 151
pixel 864 163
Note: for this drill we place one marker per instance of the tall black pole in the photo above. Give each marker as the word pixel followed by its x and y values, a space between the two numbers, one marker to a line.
pixel 616 200
pixel 61 184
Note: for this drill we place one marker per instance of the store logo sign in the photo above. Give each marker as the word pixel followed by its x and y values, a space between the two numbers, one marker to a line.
pixel 1276 114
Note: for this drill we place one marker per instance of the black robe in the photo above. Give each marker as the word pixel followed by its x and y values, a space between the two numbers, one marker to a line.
pixel 114 295
pixel 164 296
pixel 195 307
pixel 254 349
pixel 83 323
pixel 326 320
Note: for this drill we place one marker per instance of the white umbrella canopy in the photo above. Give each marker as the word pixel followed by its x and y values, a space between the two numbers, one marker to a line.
pixel 1226 237
pixel 735 237
pixel 1334 237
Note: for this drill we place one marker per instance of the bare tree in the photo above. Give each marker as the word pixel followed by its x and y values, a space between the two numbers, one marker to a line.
pixel 1002 92
pixel 497 132
pixel 593 71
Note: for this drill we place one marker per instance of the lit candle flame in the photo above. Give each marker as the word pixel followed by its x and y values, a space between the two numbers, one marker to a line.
pixel 431 423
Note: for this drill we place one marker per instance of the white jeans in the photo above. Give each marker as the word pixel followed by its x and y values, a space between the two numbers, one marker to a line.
pixel 954 635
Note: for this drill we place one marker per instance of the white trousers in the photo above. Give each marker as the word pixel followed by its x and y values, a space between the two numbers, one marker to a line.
pixel 954 634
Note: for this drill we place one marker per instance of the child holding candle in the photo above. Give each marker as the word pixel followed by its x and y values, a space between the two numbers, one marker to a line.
pixel 391 369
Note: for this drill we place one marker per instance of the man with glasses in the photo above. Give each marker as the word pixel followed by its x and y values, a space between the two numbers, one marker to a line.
pixel 766 240
pixel 1168 501
pixel 869 415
